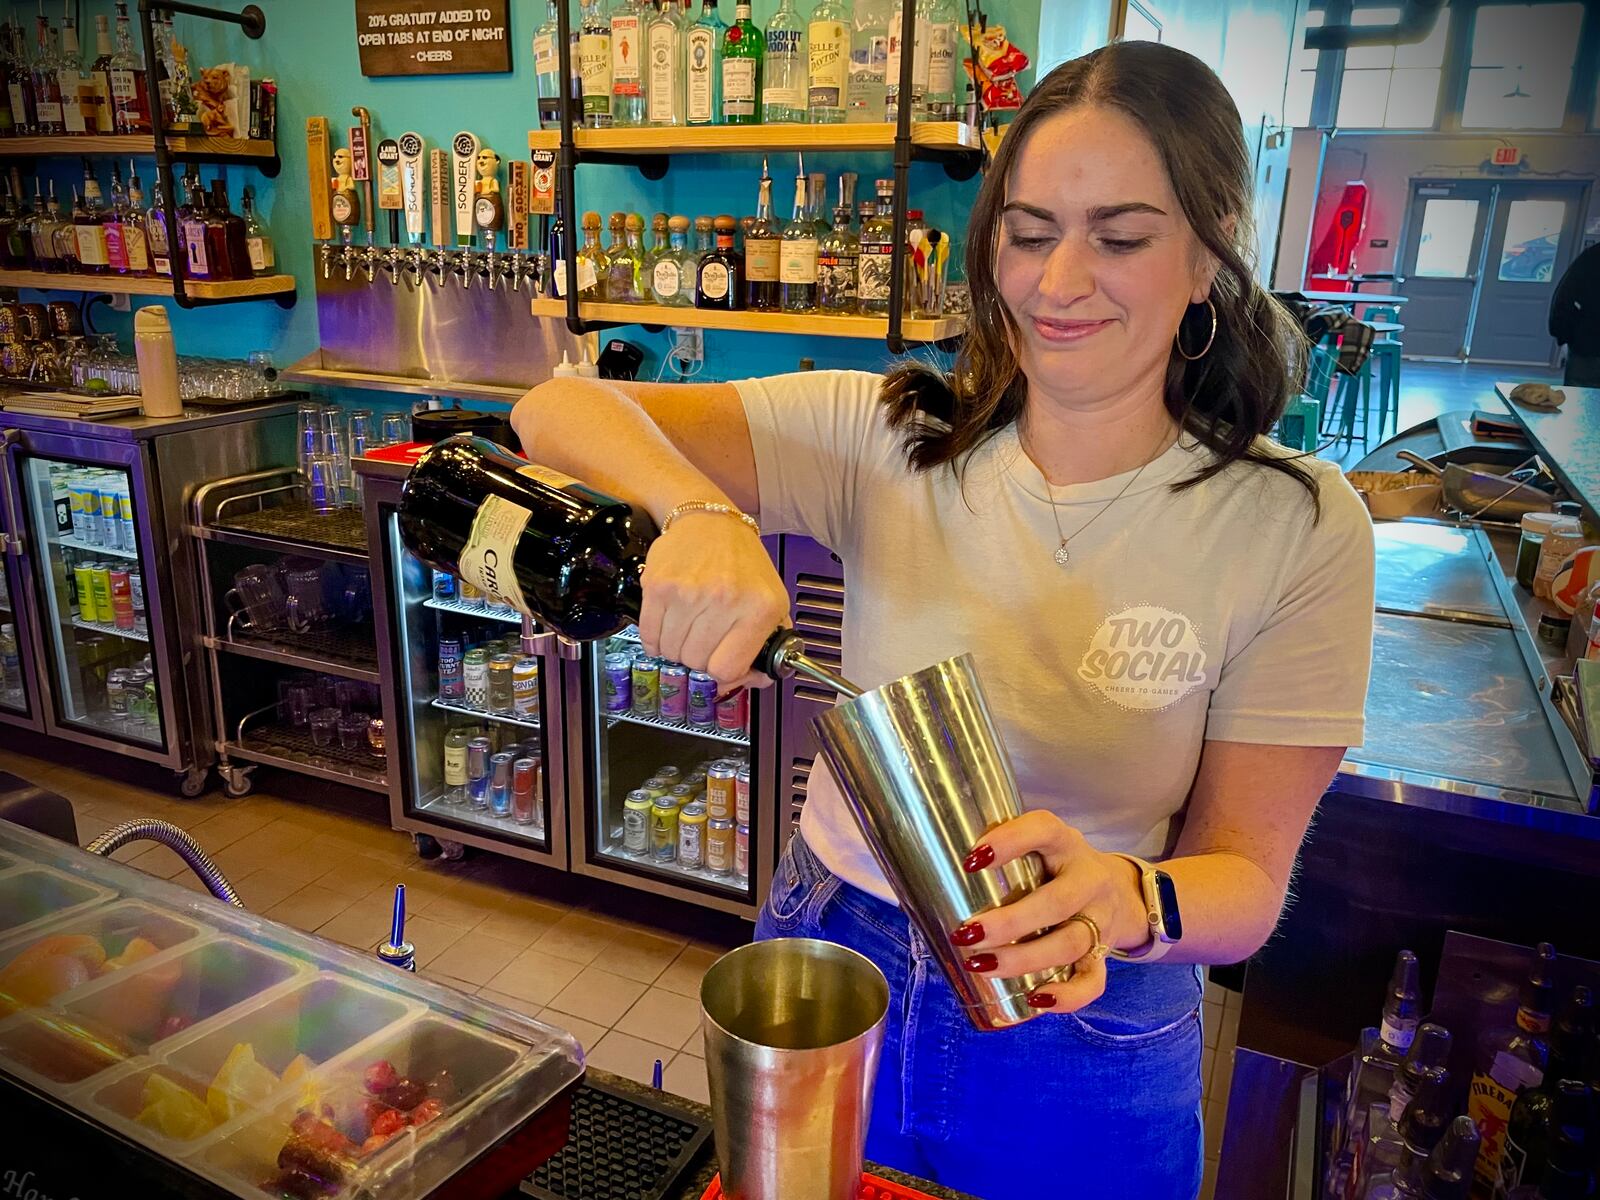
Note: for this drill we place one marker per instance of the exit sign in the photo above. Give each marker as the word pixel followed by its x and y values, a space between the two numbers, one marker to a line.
pixel 1507 156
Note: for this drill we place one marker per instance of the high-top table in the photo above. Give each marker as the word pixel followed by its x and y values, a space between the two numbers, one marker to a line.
pixel 1568 439
pixel 1350 299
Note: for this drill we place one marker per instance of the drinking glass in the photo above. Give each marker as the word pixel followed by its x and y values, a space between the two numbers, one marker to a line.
pixel 300 699
pixel 309 440
pixel 353 731
pixel 324 727
pixel 324 488
pixel 266 374
pixel 396 429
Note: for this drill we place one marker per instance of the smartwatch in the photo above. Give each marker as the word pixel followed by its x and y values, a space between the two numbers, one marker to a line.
pixel 1160 910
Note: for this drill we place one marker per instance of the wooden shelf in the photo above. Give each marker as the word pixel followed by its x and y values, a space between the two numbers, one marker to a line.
pixel 148 285
pixel 186 145
pixel 735 139
pixel 811 324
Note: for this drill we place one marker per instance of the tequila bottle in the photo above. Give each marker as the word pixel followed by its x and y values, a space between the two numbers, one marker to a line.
pixel 817 202
pixel 828 62
pixel 869 62
pixel 628 76
pixel 921 50
pixel 944 52
pixel 703 60
pixel 877 254
pixel 130 82
pixel 593 265
pixel 783 86
pixel 135 242
pixel 547 66
pixel 743 50
pixel 762 248
pixel 258 238
pixel 839 256
pixel 797 268
pixel 720 281
pixel 625 276
pixel 664 43
pixel 594 54
pixel 705 240
pixel 670 279
pixel 658 246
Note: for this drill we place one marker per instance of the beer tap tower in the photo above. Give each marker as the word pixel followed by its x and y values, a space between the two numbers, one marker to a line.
pixel 361 154
pixel 412 187
pixel 463 170
pixel 346 209
pixel 390 200
pixel 488 210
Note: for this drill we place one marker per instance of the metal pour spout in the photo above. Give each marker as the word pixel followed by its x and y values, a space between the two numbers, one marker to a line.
pixel 784 655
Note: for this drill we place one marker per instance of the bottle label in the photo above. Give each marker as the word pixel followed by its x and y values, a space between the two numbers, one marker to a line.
pixel 799 263
pixel 549 477
pixel 135 248
pixel 260 249
pixel 663 64
pixel 19 103
pixel 545 59
pixel 486 559
pixel 877 270
pixel 836 279
pixel 588 277
pixel 827 65
pixel 1513 1166
pixel 559 271
pixel 194 245
pixel 702 60
pixel 1489 1106
pixel 1533 1022
pixel 116 248
pixel 738 87
pixel 455 766
pixel 1399 1033
pixel 124 89
pixel 714 281
pixel 594 66
pixel 761 257
pixel 92 245
pixel 919 56
pixel 785 84
pixel 667 279
pixel 942 59
pixel 72 115
pixel 49 112
pixel 625 67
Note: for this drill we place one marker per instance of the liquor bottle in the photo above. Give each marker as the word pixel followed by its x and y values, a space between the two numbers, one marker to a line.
pixel 44 252
pixel 817 202
pixel 13 252
pixel 1569 1170
pixel 869 62
pixel 1508 1060
pixel 669 278
pixel 1448 1173
pixel 763 242
pixel 185 111
pixel 19 84
pixel 1384 1144
pixel 130 82
pixel 625 279
pixel 547 66
pixel 719 282
pixel 135 243
pixel 839 256
pixel 944 47
pixel 705 240
pixel 921 50
pixel 703 57
pixel 657 247
pixel 116 247
pixel 100 78
pixel 743 51
pixel 665 43
pixel 1430 1048
pixel 257 237
pixel 78 114
pixel 877 254
pixel 161 33
pixel 1534 1118
pixel 455 765
pixel 1556 1142
pixel 46 84
pixel 192 229
pixel 228 228
pixel 783 84
pixel 594 52
pixel 89 222
pixel 64 234
pixel 797 266
pixel 1383 1049
pixel 593 265
pixel 828 62
pixel 157 236
pixel 629 103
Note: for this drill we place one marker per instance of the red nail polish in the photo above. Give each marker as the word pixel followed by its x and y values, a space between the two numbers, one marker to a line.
pixel 969 934
pixel 1041 1000
pixel 982 962
pixel 980 858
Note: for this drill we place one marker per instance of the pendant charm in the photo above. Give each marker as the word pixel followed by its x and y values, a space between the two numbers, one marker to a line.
pixel 1063 555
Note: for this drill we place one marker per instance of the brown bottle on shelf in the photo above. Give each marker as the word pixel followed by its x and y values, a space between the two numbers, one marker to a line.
pixel 130 86
pixel 720 280
pixel 235 238
pixel 88 219
pixel 197 262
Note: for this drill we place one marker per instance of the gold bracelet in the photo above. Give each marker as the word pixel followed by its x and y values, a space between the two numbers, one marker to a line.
pixel 709 506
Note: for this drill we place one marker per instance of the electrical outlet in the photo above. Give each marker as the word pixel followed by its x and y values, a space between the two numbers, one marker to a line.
pixel 689 346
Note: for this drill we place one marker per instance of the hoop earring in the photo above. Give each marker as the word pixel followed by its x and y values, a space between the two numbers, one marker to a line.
pixel 1177 339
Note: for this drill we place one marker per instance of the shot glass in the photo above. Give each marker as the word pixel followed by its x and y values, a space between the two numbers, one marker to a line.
pixel 324 727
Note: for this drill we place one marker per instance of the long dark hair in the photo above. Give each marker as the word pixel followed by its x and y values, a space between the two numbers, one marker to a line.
pixel 1225 399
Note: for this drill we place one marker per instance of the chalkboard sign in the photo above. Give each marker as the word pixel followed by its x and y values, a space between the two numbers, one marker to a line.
pixel 432 37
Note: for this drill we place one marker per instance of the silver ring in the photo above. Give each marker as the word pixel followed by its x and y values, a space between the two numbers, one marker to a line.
pixel 1097 947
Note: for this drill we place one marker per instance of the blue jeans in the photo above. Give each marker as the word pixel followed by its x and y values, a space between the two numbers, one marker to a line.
pixel 1100 1103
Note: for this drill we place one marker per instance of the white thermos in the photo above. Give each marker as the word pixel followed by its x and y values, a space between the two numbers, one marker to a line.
pixel 158 362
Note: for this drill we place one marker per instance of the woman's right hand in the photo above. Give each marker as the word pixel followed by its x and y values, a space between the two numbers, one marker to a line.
pixel 711 598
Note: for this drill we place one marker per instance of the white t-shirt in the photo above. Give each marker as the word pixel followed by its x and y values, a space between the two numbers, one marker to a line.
pixel 1216 612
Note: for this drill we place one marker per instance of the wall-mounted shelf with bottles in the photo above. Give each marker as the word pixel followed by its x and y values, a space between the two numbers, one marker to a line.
pixel 808 324
pixel 261 287
pixel 179 146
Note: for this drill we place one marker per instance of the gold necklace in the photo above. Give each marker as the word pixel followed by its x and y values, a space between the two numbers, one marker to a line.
pixel 1063 555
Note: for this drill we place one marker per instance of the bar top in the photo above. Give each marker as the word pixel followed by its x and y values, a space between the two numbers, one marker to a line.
pixel 135 427
pixel 1569 439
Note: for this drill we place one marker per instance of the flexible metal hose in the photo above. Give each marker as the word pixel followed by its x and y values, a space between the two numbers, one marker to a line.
pixel 178 841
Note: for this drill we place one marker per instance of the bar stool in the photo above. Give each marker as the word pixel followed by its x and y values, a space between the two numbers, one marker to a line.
pixel 1386 350
pixel 1339 417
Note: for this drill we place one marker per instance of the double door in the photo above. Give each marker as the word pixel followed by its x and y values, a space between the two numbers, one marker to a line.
pixel 1481 261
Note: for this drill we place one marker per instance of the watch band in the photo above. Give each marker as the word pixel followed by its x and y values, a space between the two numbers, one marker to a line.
pixel 1158 945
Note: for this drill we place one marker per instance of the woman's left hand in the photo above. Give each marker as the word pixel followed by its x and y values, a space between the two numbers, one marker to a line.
pixel 1103 887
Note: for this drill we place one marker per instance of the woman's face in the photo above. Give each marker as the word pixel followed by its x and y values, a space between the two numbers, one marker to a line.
pixel 1096 261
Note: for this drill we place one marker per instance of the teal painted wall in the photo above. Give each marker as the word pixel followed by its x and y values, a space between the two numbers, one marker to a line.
pixel 309 48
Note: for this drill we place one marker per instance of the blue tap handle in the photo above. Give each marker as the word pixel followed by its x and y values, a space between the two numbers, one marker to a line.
pixel 397 928
pixel 655 1076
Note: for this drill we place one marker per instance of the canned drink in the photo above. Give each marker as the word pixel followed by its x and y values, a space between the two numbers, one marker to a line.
pixel 663 829
pixel 136 593
pixel 77 523
pixel 719 847
pixel 741 852
pixel 636 822
pixel 697 777
pixel 501 701
pixel 524 789
pixel 452 680
pixel 617 683
pixel 121 599
pixel 100 580
pixel 702 706
pixel 444 585
pixel 88 504
pixel 500 783
pixel 670 773
pixel 140 687
pixel 741 796
pixel 646 686
pixel 525 688
pixel 656 786
pixel 683 795
pixel 117 694
pixel 722 783
pixel 478 772
pixel 733 714
pixel 130 538
pixel 110 515
pixel 83 574
pixel 674 684
pixel 475 678
pixel 692 835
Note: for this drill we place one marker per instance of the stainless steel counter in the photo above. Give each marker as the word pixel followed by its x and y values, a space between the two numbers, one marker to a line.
pixel 1568 438
pixel 136 427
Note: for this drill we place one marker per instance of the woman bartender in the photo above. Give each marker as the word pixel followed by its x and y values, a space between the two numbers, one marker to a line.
pixel 1172 615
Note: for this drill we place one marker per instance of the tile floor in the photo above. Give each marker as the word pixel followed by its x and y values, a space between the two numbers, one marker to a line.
pixel 559 949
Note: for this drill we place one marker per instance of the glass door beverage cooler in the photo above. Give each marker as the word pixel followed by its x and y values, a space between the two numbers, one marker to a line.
pixel 19 701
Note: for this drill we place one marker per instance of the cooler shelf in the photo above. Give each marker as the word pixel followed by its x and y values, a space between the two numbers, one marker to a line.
pixel 474 608
pixel 480 714
pixel 132 635
pixel 712 732
pixel 69 542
